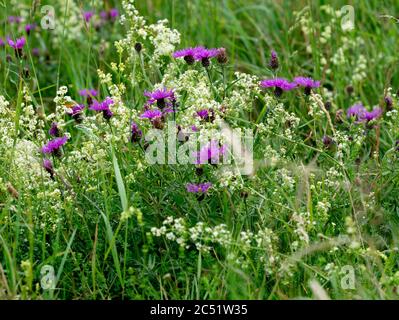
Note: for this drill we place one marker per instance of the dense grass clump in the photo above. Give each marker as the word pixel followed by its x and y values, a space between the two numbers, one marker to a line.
pixel 95 203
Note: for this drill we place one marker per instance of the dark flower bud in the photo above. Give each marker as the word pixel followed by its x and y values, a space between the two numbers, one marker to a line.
pixel 205 62
pixel 8 58
pixel 278 92
pixel 107 114
pixel 26 72
pixel 222 56
pixel 138 47
pixel 339 116
pixel 273 64
pixel 48 166
pixel 349 90
pixel 388 103
pixel 189 59
pixel 54 131
pixel 327 105
pixel 327 141
pixel 161 103
pixel 136 133
pixel 244 194
pixel 199 171
pixel 397 145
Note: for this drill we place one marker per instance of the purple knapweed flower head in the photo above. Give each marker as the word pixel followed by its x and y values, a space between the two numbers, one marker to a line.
pixel 36 52
pixel 207 115
pixel 29 28
pixel 388 103
pixel 113 13
pixel 76 112
pixel 307 83
pixel 136 133
pixel 87 15
pixel 204 55
pixel 211 153
pixel 48 166
pixel 194 128
pixel 155 116
pixel 204 113
pixel 162 97
pixel 273 63
pixel 104 15
pixel 14 19
pixel 279 84
pixel 151 114
pixel 88 92
pixel 53 146
pixel 54 131
pixel 104 107
pixel 76 109
pixel 188 54
pixel 198 188
pixel 355 110
pixel 360 113
pixel 18 44
pixel 372 115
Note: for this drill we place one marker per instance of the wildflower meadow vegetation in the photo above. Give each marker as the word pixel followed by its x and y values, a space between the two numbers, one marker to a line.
pixel 200 149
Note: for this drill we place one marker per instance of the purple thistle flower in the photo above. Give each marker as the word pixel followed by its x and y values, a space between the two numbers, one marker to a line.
pixel 188 54
pixel 280 85
pixel 307 83
pixel 372 115
pixel 54 131
pixel 29 28
pixel 160 96
pixel 198 188
pixel 13 19
pixel 355 110
pixel 327 141
pixel 36 52
pixel 207 115
pixel 360 113
pixel 18 44
pixel 87 15
pixel 194 129
pixel 76 112
pixel 204 55
pixel 103 106
pixel 273 64
pixel 155 116
pixel 113 13
pixel 204 113
pixel 103 15
pixel 151 114
pixel 48 166
pixel 211 153
pixel 76 109
pixel 53 146
pixel 88 92
pixel 136 133
pixel 388 102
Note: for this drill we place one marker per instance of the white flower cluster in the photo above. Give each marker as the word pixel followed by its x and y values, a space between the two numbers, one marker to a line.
pixel 205 239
